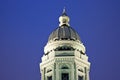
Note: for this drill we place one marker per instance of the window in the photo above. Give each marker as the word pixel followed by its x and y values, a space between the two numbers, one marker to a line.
pixel 82 53
pixel 49 78
pixel 64 48
pixel 80 77
pixel 65 76
pixel 65 67
pixel 81 70
pixel 49 70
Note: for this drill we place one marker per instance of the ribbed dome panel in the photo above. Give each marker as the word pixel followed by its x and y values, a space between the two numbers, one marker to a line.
pixel 64 33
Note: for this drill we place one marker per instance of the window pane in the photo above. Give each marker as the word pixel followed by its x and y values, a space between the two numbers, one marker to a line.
pixel 80 77
pixel 65 76
pixel 49 78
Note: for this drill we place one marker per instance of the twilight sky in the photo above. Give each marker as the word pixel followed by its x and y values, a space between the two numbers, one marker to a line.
pixel 25 26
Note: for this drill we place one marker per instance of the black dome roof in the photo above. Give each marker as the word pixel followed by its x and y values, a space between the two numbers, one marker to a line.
pixel 64 32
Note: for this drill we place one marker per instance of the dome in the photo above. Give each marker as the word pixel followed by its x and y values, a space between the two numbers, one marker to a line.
pixel 64 37
pixel 64 33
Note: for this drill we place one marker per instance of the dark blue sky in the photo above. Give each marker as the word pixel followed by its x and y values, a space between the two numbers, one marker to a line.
pixel 25 26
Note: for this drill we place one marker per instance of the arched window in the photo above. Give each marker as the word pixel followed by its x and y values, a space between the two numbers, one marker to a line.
pixel 80 77
pixel 49 77
pixel 64 67
pixel 64 48
pixel 65 76
pixel 49 70
pixel 81 70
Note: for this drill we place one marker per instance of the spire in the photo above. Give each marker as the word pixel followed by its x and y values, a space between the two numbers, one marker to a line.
pixel 64 12
pixel 64 19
